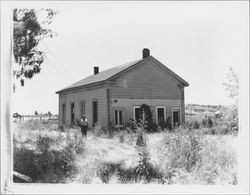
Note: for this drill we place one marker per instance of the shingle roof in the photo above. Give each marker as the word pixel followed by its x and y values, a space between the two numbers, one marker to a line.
pixel 102 76
pixel 107 74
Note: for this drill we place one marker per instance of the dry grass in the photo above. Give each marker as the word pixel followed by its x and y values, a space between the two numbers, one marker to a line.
pixel 182 157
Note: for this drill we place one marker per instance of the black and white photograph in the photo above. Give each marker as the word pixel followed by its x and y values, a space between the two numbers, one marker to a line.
pixel 114 97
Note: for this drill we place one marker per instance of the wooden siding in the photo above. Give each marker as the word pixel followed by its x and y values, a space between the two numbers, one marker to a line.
pixel 183 104
pixel 88 96
pixel 147 81
pixel 127 106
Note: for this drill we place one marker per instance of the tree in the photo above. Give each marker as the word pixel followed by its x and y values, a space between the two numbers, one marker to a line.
pixel 27 33
pixel 36 113
pixel 232 85
pixel 147 118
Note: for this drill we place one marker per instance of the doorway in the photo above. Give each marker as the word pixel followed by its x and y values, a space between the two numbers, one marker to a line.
pixel 161 115
pixel 176 117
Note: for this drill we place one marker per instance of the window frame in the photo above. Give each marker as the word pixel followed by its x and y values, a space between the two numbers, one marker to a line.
pixel 82 108
pixel 134 107
pixel 118 111
pixel 156 114
pixel 174 109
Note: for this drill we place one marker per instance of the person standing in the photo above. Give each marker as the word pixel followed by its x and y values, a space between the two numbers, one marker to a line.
pixel 84 125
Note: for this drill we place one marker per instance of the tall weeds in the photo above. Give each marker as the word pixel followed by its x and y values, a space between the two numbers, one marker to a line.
pixel 196 158
pixel 45 164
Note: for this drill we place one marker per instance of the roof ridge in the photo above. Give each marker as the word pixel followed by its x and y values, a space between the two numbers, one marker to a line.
pixel 110 72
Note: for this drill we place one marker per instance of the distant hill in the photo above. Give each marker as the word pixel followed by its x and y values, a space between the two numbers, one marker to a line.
pixel 206 108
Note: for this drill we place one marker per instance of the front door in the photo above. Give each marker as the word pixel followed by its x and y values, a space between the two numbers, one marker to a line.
pixel 161 116
pixel 176 117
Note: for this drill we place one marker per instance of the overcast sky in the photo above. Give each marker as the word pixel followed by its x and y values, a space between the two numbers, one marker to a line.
pixel 197 40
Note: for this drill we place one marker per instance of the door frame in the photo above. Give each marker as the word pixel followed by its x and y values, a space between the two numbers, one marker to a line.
pixel 173 109
pixel 156 113
pixel 134 107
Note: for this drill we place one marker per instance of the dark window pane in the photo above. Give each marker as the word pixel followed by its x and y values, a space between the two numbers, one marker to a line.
pixel 95 112
pixel 137 114
pixel 116 118
pixel 72 113
pixel 64 114
pixel 160 113
pixel 120 117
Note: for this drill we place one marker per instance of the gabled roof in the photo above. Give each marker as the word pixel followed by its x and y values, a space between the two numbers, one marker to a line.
pixel 116 71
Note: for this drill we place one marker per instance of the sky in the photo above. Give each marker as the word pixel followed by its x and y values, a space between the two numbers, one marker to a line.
pixel 198 40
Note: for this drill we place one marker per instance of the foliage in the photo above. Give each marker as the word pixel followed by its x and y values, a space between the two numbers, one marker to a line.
pixel 232 85
pixel 182 156
pixel 191 158
pixel 28 32
pixel 45 165
pixel 182 150
pixel 132 125
pixel 145 170
pixel 147 118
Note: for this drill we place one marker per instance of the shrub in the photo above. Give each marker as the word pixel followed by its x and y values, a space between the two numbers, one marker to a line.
pixel 182 151
pixel 191 158
pixel 132 125
pixel 147 117
pixel 210 122
pixel 46 165
pixel 145 170
pixel 43 143
pixel 196 124
pixel 121 138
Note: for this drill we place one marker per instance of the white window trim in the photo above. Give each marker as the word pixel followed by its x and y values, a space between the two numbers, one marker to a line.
pixel 118 118
pixel 156 113
pixel 134 111
pixel 176 108
pixel 82 107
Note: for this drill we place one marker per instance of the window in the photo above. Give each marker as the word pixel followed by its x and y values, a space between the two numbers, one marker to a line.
pixel 95 111
pixel 118 117
pixel 63 114
pixel 72 113
pixel 82 106
pixel 137 113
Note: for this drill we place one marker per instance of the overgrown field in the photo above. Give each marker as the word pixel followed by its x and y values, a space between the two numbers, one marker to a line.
pixel 182 156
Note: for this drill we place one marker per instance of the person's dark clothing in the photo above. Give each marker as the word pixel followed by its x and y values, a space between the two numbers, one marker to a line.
pixel 84 127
